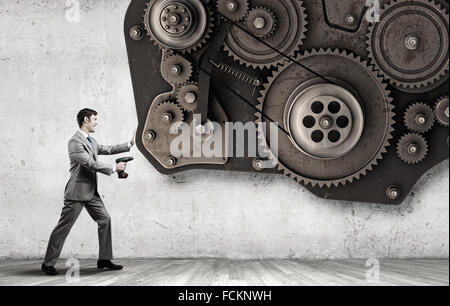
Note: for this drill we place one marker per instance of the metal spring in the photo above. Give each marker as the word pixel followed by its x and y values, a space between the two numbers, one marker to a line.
pixel 239 74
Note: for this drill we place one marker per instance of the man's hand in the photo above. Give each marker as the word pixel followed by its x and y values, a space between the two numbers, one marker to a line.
pixel 120 167
pixel 133 140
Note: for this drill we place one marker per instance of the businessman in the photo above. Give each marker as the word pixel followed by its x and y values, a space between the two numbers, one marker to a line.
pixel 81 192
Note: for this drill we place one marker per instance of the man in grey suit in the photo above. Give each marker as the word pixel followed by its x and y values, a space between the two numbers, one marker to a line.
pixel 81 192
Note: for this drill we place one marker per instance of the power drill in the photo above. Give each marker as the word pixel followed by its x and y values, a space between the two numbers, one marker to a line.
pixel 123 174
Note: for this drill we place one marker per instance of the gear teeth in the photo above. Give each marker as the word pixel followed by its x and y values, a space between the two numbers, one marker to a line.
pixel 394 82
pixel 413 111
pixel 389 133
pixel 404 151
pixel 439 111
pixel 192 49
pixel 239 14
pixel 291 54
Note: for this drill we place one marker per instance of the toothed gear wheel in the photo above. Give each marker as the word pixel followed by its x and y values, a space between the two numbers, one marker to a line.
pixel 442 111
pixel 412 148
pixel 419 118
pixel 287 37
pixel 261 22
pixel 176 70
pixel 234 10
pixel 348 78
pixel 410 44
pixel 167 113
pixel 187 97
pixel 181 25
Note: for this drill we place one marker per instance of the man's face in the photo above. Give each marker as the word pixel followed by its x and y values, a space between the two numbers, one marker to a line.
pixel 91 124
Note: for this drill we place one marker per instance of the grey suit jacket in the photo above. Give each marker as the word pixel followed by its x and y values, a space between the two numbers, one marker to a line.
pixel 84 166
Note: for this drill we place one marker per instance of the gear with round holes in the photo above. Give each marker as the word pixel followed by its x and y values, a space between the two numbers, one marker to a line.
pixel 180 25
pixel 261 22
pixel 419 118
pixel 234 10
pixel 412 148
pixel 326 118
pixel 176 70
pixel 442 111
pixel 283 39
pixel 187 96
pixel 410 44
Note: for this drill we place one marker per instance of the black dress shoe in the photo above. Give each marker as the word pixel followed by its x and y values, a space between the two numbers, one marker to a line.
pixel 107 264
pixel 49 270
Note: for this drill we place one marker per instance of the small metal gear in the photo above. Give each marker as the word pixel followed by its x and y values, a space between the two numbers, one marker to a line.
pixel 167 113
pixel 285 41
pixel 261 22
pixel 347 73
pixel 176 69
pixel 234 10
pixel 181 25
pixel 412 148
pixel 442 111
pixel 410 44
pixel 187 96
pixel 419 118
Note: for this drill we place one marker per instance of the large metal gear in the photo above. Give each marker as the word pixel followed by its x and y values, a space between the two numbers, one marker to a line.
pixel 419 118
pixel 364 150
pixel 234 10
pixel 286 39
pixel 412 148
pixel 176 69
pixel 442 111
pixel 410 44
pixel 181 25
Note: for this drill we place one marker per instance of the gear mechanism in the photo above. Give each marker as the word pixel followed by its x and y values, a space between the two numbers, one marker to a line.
pixel 344 154
pixel 412 148
pixel 442 111
pixel 167 113
pixel 175 69
pixel 234 10
pixel 181 25
pixel 187 97
pixel 419 118
pixel 283 38
pixel 410 44
pixel 261 22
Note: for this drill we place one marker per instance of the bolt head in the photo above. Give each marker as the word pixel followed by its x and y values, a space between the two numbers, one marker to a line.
pixel 190 97
pixel 326 122
pixel 171 161
pixel 167 117
pixel 259 23
pixel 350 19
pixel 413 149
pixel 151 135
pixel 176 70
pixel 393 193
pixel 421 120
pixel 232 6
pixel 412 42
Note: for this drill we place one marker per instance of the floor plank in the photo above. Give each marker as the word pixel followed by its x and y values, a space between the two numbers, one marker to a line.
pixel 218 272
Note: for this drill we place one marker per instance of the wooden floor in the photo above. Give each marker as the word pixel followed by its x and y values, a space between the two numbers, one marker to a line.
pixel 232 273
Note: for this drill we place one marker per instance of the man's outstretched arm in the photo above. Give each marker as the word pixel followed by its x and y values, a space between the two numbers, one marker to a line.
pixel 112 150
pixel 78 153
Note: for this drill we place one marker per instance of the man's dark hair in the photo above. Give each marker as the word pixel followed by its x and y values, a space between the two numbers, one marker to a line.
pixel 83 114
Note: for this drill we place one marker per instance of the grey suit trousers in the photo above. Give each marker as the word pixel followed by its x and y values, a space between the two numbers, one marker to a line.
pixel 69 215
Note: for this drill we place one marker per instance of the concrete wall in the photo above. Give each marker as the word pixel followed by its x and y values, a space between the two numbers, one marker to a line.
pixel 50 68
